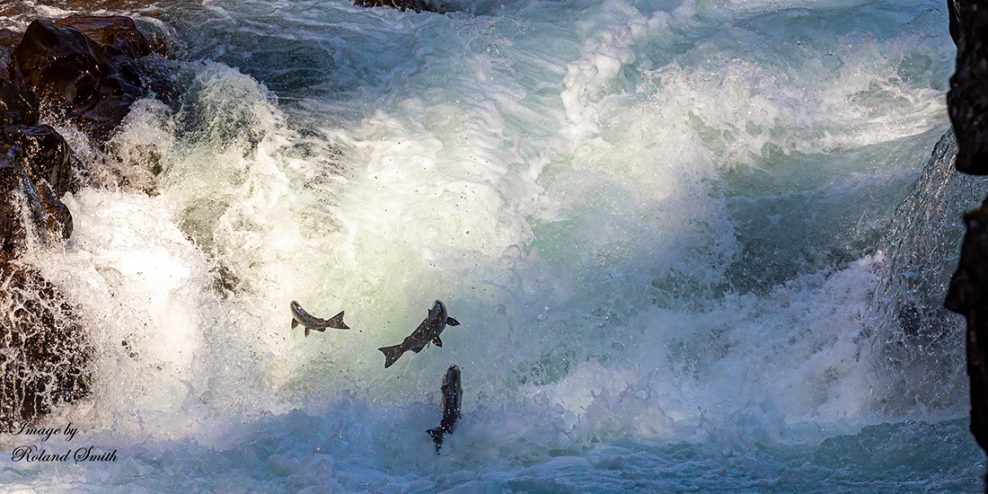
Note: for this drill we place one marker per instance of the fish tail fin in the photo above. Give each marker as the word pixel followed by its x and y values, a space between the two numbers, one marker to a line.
pixel 336 322
pixel 437 437
pixel 391 354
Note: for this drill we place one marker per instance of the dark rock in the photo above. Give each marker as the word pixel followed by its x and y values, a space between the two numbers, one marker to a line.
pixel 86 68
pixel 12 232
pixel 18 104
pixel 8 40
pixel 954 22
pixel 158 36
pixel 111 5
pixel 41 162
pixel 968 295
pixel 967 103
pixel 122 43
pixel 416 5
pixel 46 155
pixel 967 100
pixel 75 75
pixel 117 35
pixel 59 63
pixel 34 173
pixel 45 359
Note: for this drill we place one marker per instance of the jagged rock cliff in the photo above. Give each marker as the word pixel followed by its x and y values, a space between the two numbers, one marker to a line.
pixel 967 102
pixel 83 69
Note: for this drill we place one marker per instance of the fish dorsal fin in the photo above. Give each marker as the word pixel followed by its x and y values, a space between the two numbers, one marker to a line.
pixel 437 342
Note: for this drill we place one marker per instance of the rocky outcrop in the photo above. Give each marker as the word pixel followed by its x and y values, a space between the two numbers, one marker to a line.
pixel 967 103
pixel 34 172
pixel 91 81
pixel 968 296
pixel 968 98
pixel 85 69
pixel 416 5
pixel 44 354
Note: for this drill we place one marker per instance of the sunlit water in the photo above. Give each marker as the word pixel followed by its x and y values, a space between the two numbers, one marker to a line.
pixel 694 246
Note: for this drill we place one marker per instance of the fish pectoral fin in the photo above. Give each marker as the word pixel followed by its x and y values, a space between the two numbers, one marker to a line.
pixel 294 323
pixel 336 322
pixel 437 342
pixel 452 322
pixel 307 331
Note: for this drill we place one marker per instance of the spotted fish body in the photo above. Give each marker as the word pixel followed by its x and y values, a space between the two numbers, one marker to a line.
pixel 452 397
pixel 427 332
pixel 300 316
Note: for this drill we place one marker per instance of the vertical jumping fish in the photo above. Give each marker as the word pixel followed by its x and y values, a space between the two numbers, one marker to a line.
pixel 427 332
pixel 300 316
pixel 452 396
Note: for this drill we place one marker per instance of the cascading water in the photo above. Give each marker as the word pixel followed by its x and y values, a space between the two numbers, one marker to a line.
pixel 916 335
pixel 679 237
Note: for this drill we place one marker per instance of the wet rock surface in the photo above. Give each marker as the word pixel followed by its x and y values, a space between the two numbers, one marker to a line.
pixel 37 172
pixel 90 83
pixel 968 296
pixel 967 100
pixel 86 70
pixel 967 104
pixel 416 5
pixel 44 354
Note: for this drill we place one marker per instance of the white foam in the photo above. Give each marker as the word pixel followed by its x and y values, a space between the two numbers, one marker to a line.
pixel 560 187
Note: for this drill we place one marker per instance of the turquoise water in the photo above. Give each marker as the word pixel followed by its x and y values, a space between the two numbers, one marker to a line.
pixel 681 238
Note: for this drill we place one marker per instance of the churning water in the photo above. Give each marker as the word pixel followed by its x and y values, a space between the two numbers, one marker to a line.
pixel 693 245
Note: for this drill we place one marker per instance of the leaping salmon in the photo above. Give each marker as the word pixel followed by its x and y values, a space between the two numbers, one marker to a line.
pixel 427 332
pixel 452 397
pixel 300 316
